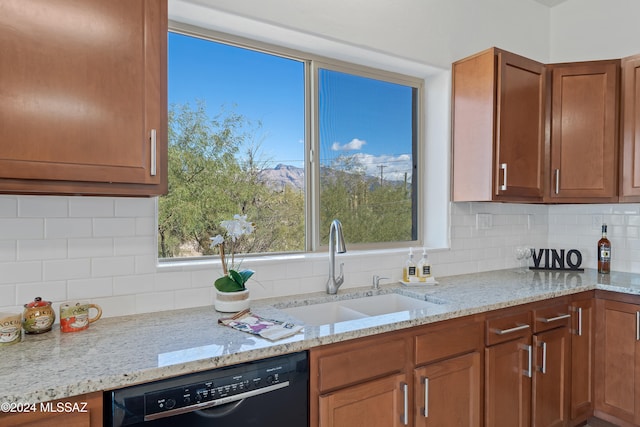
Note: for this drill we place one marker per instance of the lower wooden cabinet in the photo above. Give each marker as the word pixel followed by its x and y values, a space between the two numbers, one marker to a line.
pixel 618 362
pixel 582 358
pixel 545 364
pixel 376 403
pixel 424 376
pixel 550 404
pixel 508 383
pixel 78 411
pixel 447 393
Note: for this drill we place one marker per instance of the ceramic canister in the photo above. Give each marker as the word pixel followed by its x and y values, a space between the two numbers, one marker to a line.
pixel 10 328
pixel 38 316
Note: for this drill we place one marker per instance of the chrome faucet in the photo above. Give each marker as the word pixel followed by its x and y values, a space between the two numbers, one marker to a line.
pixel 336 244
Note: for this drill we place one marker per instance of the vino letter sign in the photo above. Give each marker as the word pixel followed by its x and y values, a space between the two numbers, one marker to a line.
pixel 557 260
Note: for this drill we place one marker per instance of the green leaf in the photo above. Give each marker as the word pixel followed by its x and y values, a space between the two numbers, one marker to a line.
pixel 227 284
pixel 246 274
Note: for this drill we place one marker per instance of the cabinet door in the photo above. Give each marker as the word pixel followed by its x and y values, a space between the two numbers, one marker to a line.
pixel 618 360
pixel 508 370
pixel 83 96
pixel 377 403
pixel 448 393
pixel 582 332
pixel 520 128
pixel 498 127
pixel 584 131
pixel 630 176
pixel 551 378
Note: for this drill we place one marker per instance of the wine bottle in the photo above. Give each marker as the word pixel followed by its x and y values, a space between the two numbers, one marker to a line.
pixel 604 252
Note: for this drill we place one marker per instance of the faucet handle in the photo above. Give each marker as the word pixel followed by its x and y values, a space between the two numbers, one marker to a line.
pixel 376 281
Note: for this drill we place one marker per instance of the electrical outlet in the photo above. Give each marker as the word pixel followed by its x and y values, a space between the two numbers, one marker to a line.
pixel 484 221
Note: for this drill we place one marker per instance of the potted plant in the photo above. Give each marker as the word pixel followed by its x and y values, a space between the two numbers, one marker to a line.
pixel 231 292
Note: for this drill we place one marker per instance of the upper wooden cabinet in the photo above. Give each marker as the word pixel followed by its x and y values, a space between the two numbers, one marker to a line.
pixel 630 165
pixel 498 128
pixel 83 97
pixel 584 132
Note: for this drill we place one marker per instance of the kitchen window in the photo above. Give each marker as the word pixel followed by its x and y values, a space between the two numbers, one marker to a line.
pixel 290 140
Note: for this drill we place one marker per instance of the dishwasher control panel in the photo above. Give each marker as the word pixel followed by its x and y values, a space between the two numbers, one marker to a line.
pixel 217 390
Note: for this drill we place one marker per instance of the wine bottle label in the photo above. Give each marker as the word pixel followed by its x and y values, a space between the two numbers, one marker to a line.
pixel 605 254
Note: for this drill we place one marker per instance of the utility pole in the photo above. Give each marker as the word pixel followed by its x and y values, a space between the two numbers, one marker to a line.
pixel 381 173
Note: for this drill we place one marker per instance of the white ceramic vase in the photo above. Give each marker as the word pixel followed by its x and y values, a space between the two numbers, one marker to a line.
pixel 232 302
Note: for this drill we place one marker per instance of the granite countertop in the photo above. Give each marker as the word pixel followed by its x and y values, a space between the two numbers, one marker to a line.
pixel 121 351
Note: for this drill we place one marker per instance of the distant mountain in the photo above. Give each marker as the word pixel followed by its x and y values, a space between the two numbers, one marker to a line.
pixel 287 175
pixel 283 175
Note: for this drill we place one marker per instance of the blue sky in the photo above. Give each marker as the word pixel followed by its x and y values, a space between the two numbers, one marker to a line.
pixel 359 116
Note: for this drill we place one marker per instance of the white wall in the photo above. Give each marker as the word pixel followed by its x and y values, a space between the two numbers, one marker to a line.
pixel 583 30
pixel 103 249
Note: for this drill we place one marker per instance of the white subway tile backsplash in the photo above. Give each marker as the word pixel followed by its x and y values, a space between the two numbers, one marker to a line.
pixel 89 248
pixel 91 207
pixel 43 207
pixel 114 266
pixel 8 295
pixel 134 246
pixel 134 207
pixel 132 285
pixel 90 288
pixel 155 301
pixel 55 291
pixel 8 206
pixel 66 269
pixel 112 227
pixel 42 249
pixel 21 272
pixel 21 228
pixel 67 228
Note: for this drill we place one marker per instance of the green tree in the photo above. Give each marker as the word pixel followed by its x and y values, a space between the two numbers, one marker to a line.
pixel 211 178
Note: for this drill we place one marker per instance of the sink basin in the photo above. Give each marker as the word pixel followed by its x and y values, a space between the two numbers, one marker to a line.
pixel 359 308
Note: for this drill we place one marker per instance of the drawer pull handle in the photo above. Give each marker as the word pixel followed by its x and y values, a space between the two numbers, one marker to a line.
pixel 528 372
pixel 579 321
pixel 426 397
pixel 555 319
pixel 153 152
pixel 557 181
pixel 543 369
pixel 508 331
pixel 503 187
pixel 637 325
pixel 405 392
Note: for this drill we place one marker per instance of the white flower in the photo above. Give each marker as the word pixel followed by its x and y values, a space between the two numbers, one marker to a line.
pixel 237 227
pixel 216 240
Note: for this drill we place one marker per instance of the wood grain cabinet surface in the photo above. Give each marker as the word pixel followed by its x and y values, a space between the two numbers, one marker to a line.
pixel 498 128
pixel 630 128
pixel 584 132
pixel 78 411
pixel 617 397
pixel 83 97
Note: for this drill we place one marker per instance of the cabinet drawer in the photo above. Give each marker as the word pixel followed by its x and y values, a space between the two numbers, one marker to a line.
pixel 551 317
pixel 508 326
pixel 453 340
pixel 361 362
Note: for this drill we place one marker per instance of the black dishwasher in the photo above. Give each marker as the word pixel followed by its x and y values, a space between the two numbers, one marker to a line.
pixel 268 392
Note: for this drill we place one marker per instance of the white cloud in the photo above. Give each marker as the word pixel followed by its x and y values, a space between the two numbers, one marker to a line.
pixel 394 167
pixel 354 144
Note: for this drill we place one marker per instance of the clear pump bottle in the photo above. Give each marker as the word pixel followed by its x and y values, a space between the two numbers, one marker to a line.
pixel 410 270
pixel 424 267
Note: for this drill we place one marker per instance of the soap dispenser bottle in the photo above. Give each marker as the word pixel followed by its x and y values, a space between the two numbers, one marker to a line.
pixel 410 270
pixel 424 267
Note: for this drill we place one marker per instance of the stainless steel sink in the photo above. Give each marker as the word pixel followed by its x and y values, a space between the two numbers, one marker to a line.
pixel 363 307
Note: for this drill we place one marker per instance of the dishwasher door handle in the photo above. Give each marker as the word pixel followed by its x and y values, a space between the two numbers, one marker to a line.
pixel 216 402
